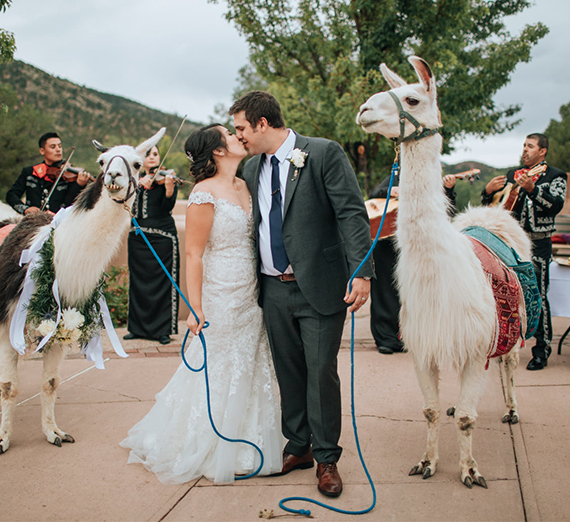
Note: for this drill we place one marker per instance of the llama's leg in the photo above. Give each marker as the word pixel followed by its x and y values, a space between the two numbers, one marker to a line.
pixel 50 382
pixel 472 384
pixel 8 388
pixel 511 361
pixel 428 380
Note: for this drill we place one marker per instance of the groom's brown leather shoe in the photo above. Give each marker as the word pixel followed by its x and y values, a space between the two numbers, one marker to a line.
pixel 330 483
pixel 291 462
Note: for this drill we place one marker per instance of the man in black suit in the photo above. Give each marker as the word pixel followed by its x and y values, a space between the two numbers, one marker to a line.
pixel 542 196
pixel 312 232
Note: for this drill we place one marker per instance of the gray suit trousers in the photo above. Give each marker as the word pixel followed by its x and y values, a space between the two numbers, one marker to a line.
pixel 305 346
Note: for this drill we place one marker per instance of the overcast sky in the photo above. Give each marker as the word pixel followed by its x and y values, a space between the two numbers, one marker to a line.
pixel 181 56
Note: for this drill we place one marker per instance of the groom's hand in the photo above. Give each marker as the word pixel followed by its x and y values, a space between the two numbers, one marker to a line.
pixel 359 294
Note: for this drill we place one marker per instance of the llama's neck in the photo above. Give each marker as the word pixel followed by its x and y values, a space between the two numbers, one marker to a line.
pixel 84 245
pixel 422 210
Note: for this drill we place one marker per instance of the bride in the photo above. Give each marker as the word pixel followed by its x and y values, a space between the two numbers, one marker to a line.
pixel 175 439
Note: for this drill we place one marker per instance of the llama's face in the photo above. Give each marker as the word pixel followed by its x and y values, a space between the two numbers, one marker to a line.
pixel 121 164
pixel 380 113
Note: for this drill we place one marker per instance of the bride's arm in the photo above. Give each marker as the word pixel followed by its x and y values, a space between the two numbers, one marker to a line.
pixel 199 219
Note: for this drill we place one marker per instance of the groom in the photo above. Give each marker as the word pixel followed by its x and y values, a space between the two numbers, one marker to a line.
pixel 311 232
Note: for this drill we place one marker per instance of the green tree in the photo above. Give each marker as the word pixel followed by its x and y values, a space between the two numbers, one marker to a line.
pixel 558 133
pixel 320 58
pixel 7 41
pixel 19 126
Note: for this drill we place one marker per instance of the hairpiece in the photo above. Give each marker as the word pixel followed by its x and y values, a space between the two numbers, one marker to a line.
pixel 189 154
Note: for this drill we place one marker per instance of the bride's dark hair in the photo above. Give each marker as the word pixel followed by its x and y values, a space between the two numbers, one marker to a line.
pixel 200 147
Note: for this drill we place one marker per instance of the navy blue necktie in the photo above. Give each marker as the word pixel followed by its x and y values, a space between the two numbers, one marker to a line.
pixel 280 260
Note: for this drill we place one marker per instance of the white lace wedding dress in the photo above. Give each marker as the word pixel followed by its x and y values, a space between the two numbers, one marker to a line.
pixel 175 440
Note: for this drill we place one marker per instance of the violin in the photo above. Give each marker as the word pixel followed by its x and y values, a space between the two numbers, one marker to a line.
pixel 160 177
pixel 70 173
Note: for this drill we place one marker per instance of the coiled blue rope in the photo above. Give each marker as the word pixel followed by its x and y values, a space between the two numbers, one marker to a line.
pixel 204 366
pixel 138 231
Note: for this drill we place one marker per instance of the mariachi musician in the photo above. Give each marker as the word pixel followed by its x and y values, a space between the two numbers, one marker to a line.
pixel 384 298
pixel 37 182
pixel 537 194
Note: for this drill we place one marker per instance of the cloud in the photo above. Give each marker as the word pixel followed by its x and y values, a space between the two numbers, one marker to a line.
pixel 182 56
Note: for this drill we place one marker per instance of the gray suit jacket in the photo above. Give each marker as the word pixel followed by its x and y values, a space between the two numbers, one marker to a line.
pixel 325 225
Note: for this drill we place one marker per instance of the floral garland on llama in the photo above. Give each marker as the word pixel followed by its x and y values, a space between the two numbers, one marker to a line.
pixel 76 325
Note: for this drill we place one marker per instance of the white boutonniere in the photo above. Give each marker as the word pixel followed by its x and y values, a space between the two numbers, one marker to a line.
pixel 297 159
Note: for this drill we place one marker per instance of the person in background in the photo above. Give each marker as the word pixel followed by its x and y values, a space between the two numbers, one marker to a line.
pixel 36 182
pixel 542 193
pixel 384 298
pixel 153 300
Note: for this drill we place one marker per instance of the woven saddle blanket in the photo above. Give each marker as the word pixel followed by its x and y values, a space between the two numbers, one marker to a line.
pixel 524 271
pixel 507 293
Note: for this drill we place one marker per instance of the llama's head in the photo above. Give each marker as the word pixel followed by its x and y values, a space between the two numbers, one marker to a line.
pixel 120 166
pixel 382 115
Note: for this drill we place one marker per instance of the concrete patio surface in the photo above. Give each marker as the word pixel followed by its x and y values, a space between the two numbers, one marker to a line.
pixel 525 465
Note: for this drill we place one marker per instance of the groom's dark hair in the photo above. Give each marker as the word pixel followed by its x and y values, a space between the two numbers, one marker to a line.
pixel 257 105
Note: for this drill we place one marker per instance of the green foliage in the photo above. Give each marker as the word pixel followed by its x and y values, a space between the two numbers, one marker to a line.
pixel 7 41
pixel 43 305
pixel 19 136
pixel 320 58
pixel 79 115
pixel 558 133
pixel 116 292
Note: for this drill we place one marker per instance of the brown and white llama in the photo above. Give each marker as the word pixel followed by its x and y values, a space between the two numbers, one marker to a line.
pixel 448 315
pixel 84 244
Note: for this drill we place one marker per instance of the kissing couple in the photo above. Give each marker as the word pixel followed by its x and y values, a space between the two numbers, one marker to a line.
pixel 268 264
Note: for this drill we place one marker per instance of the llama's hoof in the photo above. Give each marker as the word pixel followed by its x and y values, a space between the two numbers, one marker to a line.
pixel 67 438
pixel 426 473
pixel 450 411
pixel 416 470
pixel 511 417
pixel 57 442
pixel 480 481
pixel 4 445
pixel 468 481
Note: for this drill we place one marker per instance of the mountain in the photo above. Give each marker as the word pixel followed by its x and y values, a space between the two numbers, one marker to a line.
pixel 81 114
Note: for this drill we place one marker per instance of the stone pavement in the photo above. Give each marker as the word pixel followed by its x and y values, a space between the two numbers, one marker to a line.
pixel 525 465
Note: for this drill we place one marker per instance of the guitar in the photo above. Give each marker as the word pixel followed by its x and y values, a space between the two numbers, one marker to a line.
pixel 508 196
pixel 375 208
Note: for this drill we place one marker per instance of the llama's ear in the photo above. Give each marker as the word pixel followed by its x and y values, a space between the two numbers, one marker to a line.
pixel 391 77
pixel 99 147
pixel 427 80
pixel 151 142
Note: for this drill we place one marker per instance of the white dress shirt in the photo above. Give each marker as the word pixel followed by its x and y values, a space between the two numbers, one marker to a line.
pixel 264 200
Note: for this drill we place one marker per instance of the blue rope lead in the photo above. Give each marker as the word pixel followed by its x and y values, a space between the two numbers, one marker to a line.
pixel 395 169
pixel 204 366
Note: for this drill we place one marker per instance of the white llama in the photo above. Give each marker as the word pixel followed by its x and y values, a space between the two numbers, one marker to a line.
pixel 84 244
pixel 448 315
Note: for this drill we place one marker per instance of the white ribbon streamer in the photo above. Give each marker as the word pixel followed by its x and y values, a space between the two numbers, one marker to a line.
pixel 94 349
pixel 31 256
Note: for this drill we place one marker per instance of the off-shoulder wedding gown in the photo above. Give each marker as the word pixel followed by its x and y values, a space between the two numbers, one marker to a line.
pixel 175 439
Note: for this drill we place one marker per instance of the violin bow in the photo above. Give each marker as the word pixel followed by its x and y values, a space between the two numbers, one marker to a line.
pixel 58 178
pixel 171 143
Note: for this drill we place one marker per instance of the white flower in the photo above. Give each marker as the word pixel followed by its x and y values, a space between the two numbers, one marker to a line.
pixel 298 158
pixel 72 319
pixel 45 327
